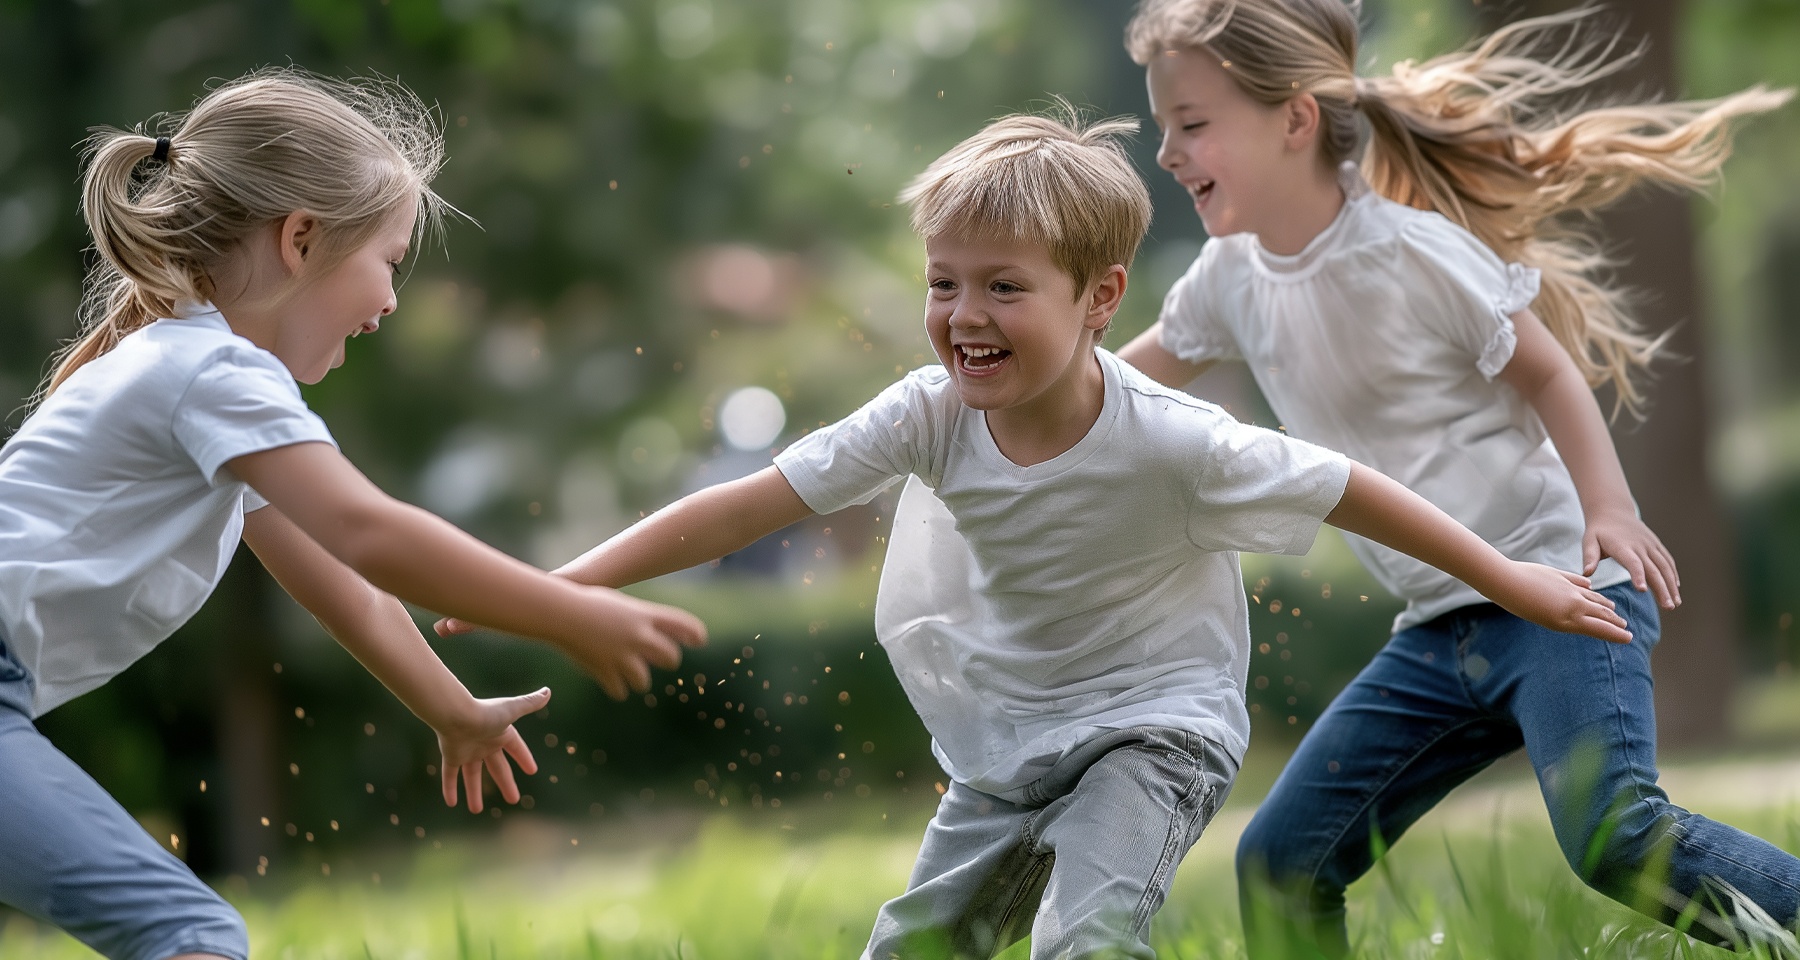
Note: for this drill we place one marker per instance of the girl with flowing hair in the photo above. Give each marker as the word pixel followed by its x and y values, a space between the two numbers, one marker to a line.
pixel 240 245
pixel 1441 311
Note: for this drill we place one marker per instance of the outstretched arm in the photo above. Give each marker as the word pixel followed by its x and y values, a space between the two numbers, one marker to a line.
pixel 1147 353
pixel 696 529
pixel 1543 373
pixel 472 734
pixel 414 555
pixel 1381 509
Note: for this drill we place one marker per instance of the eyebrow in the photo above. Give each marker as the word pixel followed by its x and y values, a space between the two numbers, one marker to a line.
pixel 997 267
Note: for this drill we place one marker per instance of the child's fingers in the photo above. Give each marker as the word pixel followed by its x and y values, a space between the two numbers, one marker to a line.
pixel 687 629
pixel 449 780
pixel 471 774
pixel 1659 586
pixel 1634 565
pixel 1605 630
pixel 1599 599
pixel 514 746
pixel 1665 565
pixel 1576 579
pixel 512 708
pixel 501 771
pixel 609 681
pixel 1590 552
pixel 637 673
pixel 662 651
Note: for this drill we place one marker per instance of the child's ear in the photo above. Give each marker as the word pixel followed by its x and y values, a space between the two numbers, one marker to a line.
pixel 1302 117
pixel 1105 296
pixel 299 235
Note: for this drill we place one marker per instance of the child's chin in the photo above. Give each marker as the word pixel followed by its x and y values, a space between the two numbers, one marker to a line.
pixel 1219 224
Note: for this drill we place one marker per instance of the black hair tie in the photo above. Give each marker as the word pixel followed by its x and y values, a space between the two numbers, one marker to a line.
pixel 162 150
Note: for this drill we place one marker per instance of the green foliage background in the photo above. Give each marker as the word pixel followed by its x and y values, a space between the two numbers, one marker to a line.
pixel 556 370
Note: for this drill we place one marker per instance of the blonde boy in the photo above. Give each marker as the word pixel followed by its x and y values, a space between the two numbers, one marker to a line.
pixel 1077 644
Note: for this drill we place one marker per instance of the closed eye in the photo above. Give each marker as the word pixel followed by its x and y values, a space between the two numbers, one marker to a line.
pixel 1191 127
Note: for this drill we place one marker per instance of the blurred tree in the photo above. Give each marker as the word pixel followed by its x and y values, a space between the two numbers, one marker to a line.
pixel 676 198
pixel 1667 455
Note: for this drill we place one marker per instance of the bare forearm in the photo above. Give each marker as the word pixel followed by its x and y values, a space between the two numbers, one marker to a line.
pixel 1572 418
pixel 388 645
pixel 466 578
pixel 373 626
pixel 1381 509
pixel 695 529
pixel 1149 356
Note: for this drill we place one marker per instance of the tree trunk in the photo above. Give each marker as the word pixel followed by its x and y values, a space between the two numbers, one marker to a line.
pixel 248 707
pixel 1666 456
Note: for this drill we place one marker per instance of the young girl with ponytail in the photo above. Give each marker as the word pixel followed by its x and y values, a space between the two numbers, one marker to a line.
pixel 237 252
pixel 1439 313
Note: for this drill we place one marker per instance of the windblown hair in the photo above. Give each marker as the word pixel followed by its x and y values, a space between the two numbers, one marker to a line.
pixel 353 153
pixel 1056 180
pixel 1502 137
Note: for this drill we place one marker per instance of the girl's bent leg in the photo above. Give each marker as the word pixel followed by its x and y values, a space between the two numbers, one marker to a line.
pixel 1387 749
pixel 1590 727
pixel 72 857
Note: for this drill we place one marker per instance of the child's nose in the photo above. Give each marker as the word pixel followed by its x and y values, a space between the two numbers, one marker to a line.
pixel 967 316
pixel 1167 157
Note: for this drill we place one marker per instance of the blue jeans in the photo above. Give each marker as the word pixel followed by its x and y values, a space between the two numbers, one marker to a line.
pixel 72 857
pixel 1081 866
pixel 1441 702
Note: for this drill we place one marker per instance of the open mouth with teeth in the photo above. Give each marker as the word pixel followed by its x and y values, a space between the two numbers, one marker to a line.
pixel 1201 191
pixel 979 359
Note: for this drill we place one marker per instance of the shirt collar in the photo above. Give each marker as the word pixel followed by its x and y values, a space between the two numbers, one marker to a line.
pixel 201 311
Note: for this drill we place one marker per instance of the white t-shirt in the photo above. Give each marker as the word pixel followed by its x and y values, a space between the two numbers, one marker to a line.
pixel 117 516
pixel 1095 591
pixel 1382 340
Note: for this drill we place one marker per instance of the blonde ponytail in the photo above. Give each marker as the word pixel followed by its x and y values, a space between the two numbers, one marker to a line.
pixel 1475 136
pixel 166 202
pixel 1482 136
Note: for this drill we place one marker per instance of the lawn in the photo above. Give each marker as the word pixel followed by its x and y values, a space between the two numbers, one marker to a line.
pixel 1478 878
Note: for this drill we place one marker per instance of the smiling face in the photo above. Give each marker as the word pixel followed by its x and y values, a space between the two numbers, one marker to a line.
pixel 1230 152
pixel 1009 325
pixel 346 299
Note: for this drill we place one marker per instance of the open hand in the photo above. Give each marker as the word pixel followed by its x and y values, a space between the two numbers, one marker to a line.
pixel 1561 601
pixel 1626 539
pixel 485 740
pixel 638 635
pixel 634 636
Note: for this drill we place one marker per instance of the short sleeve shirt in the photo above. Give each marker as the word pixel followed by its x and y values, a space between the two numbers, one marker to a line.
pixel 118 515
pixel 1025 609
pixel 1382 339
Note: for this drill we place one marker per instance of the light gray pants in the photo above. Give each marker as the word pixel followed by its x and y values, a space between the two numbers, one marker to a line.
pixel 71 856
pixel 1082 865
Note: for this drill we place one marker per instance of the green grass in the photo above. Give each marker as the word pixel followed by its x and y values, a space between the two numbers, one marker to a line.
pixel 1479 878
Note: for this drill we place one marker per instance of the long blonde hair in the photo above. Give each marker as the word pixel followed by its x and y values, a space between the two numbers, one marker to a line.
pixel 166 201
pixel 1486 136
